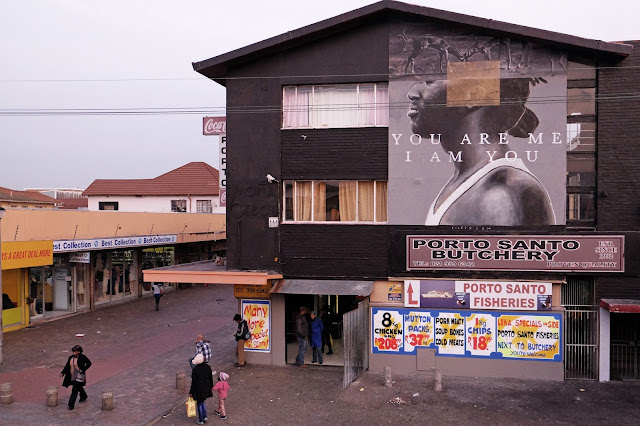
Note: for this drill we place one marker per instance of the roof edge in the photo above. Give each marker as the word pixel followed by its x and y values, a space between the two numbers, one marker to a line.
pixel 216 66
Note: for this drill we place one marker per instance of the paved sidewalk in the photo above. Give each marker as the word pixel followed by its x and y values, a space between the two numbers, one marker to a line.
pixel 135 352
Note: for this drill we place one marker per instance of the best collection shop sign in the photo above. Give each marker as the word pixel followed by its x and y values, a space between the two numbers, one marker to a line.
pixel 112 243
pixel 516 253
pixel 468 334
pixel 257 313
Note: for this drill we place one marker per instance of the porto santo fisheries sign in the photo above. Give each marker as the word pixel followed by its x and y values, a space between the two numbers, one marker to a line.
pixel 62 246
pixel 594 253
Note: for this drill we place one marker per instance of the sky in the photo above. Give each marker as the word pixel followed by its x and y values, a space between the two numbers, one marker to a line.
pixel 131 55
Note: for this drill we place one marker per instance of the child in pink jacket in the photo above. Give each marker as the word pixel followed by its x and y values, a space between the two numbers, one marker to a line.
pixel 223 388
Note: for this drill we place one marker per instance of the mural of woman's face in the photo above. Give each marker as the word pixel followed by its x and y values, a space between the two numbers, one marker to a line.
pixel 427 98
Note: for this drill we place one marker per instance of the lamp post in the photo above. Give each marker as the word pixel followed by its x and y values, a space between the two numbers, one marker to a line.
pixel 1 325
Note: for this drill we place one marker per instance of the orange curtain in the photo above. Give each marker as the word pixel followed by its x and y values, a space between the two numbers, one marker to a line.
pixel 381 201
pixel 319 202
pixel 347 196
pixel 303 201
pixel 365 201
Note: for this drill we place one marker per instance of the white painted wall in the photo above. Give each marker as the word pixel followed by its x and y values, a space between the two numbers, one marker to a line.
pixel 154 204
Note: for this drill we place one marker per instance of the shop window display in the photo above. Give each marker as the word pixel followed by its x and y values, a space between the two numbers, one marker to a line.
pixel 156 257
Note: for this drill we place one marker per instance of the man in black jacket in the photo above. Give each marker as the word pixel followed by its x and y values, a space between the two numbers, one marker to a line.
pixel 74 373
pixel 302 334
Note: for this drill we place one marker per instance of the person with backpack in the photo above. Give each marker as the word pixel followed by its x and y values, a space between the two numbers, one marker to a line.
pixel 242 335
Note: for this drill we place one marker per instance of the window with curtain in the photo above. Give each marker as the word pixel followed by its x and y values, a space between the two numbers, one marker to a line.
pixel 334 106
pixel 335 201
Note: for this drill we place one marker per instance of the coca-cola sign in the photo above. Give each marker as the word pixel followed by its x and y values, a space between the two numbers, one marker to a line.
pixel 214 125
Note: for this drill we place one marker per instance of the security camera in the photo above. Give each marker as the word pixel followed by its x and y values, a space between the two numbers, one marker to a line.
pixel 271 179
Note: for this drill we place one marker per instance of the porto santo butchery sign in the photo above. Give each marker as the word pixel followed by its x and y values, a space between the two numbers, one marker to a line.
pixel 472 334
pixel 595 253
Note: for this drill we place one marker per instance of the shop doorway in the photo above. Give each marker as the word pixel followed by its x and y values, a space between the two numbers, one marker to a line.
pixel 330 309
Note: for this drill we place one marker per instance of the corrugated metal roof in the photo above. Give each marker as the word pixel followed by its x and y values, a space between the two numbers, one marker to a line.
pixel 7 194
pixel 196 178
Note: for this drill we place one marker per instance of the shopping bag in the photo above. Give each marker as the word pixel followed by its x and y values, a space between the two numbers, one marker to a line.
pixel 191 407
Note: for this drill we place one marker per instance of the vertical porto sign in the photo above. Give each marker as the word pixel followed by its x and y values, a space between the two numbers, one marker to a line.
pixel 217 126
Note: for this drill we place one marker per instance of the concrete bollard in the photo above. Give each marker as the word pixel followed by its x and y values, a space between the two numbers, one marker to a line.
pixel 181 380
pixel 52 396
pixel 437 379
pixel 107 400
pixel 6 393
pixel 387 377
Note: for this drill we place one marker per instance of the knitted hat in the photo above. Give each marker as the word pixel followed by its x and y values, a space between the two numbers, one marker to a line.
pixel 223 376
pixel 199 359
pixel 237 317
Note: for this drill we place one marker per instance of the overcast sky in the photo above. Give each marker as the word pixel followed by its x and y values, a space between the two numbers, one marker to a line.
pixel 127 54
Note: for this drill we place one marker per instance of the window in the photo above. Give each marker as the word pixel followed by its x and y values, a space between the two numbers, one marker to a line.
pixel 107 205
pixel 335 201
pixel 203 206
pixel 340 105
pixel 179 206
pixel 581 144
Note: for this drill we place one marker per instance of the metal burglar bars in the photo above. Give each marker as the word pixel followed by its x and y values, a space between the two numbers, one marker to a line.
pixel 625 346
pixel 355 339
pixel 580 329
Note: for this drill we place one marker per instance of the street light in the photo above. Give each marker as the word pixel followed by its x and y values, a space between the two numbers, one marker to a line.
pixel 1 325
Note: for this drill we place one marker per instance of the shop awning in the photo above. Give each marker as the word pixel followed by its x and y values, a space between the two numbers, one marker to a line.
pixel 622 306
pixel 208 272
pixel 333 287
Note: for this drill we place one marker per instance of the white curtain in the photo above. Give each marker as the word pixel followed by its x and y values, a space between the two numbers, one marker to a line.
pixel 366 105
pixel 295 106
pixel 335 106
pixel 382 105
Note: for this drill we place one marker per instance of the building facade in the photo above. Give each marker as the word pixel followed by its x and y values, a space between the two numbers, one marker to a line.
pixel 467 184
pixel 58 263
pixel 192 188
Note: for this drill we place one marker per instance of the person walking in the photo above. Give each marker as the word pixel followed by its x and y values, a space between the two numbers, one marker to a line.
pixel 316 327
pixel 158 292
pixel 302 334
pixel 242 335
pixel 201 386
pixel 74 373
pixel 202 347
pixel 223 389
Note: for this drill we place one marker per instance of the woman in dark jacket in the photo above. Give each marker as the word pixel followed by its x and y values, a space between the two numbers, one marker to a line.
pixel 316 327
pixel 74 374
pixel 201 384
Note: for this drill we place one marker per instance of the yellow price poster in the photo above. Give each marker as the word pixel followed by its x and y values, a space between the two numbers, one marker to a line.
pixel 418 330
pixel 481 332
pixel 387 331
pixel 529 337
pixel 257 313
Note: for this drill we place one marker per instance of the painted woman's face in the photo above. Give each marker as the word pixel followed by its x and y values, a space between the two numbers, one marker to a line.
pixel 427 100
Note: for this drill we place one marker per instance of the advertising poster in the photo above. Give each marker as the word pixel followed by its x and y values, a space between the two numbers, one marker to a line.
pixel 527 336
pixel 475 126
pixel 257 313
pixel 450 333
pixel 482 294
pixel 472 334
pixel 481 331
pixel 418 330
pixel 388 329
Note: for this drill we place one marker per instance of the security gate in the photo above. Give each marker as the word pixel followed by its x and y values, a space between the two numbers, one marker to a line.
pixel 625 346
pixel 580 329
pixel 355 338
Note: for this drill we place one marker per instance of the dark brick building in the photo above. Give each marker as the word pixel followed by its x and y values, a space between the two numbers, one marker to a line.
pixel 470 186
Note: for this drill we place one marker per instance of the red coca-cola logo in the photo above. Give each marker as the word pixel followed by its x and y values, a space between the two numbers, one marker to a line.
pixel 214 125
